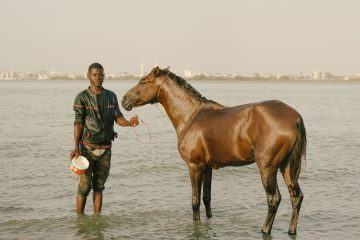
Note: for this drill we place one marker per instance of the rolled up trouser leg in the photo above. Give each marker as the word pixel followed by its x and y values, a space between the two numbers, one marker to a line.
pixel 85 179
pixel 101 171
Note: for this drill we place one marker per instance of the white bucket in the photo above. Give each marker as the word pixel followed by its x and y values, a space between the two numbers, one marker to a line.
pixel 79 165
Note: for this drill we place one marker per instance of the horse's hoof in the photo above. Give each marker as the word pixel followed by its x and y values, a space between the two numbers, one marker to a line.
pixel 265 233
pixel 292 233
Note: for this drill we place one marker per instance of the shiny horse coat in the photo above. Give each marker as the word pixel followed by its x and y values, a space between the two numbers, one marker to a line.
pixel 211 136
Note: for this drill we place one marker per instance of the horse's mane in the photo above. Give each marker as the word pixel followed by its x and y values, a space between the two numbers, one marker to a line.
pixel 190 90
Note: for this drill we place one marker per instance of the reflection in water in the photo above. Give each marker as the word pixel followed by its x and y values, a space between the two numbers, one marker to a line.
pixel 266 237
pixel 90 227
pixel 269 237
pixel 201 230
pixel 292 237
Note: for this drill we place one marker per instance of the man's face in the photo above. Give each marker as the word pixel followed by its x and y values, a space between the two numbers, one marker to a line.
pixel 96 77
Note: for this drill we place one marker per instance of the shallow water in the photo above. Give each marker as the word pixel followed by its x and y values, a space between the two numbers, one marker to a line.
pixel 147 195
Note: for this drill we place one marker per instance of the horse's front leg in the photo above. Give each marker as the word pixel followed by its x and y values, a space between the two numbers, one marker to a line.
pixel 196 173
pixel 207 175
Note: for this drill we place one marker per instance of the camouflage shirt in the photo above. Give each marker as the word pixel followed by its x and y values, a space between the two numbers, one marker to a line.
pixel 97 113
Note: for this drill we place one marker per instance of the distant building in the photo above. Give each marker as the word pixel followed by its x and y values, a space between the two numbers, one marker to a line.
pixel 43 76
pixel 187 74
pixel 7 74
pixel 321 75
pixel 325 75
pixel 191 74
pixel 316 74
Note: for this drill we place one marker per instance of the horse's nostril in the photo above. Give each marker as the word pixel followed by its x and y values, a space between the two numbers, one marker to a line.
pixel 128 107
pixel 126 103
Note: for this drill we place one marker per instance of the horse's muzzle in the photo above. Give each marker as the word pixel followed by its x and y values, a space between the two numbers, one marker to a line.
pixel 126 103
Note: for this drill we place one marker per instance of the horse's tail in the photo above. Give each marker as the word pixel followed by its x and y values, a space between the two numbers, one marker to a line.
pixel 298 152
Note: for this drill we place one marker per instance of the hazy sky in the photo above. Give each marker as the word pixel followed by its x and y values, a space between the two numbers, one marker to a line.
pixel 238 36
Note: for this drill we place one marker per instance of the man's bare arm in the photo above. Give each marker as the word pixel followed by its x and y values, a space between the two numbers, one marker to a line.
pixel 78 129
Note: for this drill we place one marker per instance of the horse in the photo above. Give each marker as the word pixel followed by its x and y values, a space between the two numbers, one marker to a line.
pixel 212 136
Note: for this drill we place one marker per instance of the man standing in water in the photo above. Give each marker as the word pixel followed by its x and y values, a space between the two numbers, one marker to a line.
pixel 96 110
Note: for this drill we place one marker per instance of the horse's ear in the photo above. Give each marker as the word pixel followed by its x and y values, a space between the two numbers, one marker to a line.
pixel 156 71
pixel 167 69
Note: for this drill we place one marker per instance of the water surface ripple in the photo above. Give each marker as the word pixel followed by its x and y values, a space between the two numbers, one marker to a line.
pixel 147 195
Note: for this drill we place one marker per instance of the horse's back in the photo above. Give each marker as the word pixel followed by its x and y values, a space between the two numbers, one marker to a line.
pixel 272 112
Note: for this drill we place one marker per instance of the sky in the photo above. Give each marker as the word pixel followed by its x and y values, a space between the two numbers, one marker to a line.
pixel 228 36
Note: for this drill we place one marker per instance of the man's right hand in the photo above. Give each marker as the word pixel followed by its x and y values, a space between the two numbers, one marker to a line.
pixel 74 153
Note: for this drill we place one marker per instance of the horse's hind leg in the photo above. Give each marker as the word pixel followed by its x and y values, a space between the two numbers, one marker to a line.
pixel 268 177
pixel 196 173
pixel 207 175
pixel 296 196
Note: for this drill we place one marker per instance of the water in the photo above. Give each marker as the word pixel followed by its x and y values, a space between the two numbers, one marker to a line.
pixel 147 195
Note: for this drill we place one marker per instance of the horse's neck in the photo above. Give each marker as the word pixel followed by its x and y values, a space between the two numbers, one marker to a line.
pixel 179 106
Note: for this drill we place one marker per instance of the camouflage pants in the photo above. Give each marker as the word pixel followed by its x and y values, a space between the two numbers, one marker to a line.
pixel 97 173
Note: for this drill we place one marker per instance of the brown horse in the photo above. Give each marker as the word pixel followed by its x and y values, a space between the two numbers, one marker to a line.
pixel 211 136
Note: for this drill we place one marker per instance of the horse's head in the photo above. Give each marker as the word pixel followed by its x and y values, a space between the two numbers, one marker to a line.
pixel 146 91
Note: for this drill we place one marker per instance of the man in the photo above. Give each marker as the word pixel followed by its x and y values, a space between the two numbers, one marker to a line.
pixel 96 109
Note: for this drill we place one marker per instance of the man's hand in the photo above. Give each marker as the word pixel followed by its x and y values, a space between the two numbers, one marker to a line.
pixel 134 121
pixel 75 153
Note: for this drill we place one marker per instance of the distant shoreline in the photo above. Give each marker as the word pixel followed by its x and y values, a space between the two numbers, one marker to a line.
pixel 202 80
pixel 316 76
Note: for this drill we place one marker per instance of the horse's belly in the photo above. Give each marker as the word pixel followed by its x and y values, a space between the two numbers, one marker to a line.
pixel 230 163
pixel 231 157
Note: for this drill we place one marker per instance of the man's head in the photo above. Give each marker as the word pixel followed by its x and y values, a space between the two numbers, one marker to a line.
pixel 96 74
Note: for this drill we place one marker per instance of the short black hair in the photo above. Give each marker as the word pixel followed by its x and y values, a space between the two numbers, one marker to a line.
pixel 96 66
